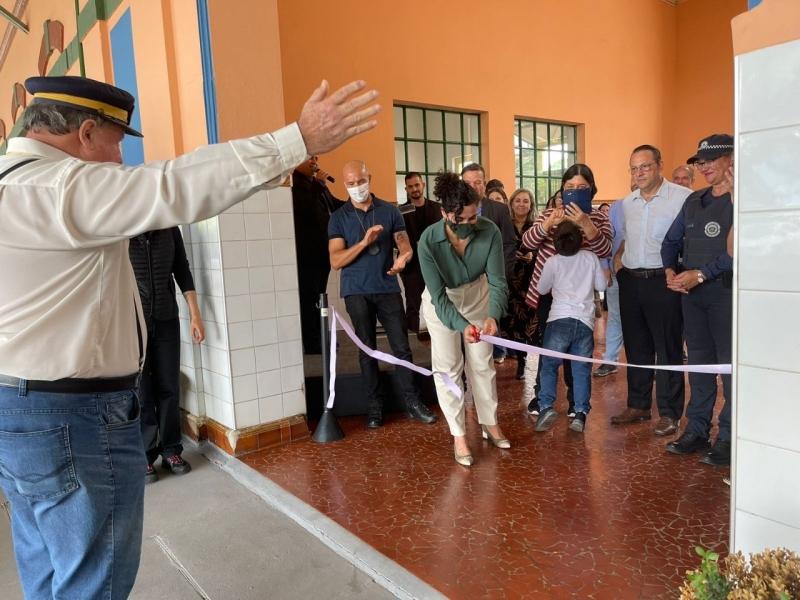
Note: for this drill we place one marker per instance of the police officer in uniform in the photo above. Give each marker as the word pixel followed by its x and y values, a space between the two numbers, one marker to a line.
pixel 700 234
pixel 72 336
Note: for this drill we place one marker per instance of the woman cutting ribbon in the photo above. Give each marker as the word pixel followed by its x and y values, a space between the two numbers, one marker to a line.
pixel 465 295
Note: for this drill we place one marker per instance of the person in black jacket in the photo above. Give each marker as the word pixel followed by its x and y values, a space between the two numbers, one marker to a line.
pixel 426 212
pixel 313 204
pixel 159 260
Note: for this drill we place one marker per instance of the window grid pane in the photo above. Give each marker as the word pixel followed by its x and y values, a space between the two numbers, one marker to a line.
pixel 543 151
pixel 429 140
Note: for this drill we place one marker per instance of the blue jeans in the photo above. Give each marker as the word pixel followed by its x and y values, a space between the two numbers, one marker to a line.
pixel 614 324
pixel 71 466
pixel 572 337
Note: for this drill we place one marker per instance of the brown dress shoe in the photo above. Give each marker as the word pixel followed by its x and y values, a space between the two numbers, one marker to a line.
pixel 630 415
pixel 666 426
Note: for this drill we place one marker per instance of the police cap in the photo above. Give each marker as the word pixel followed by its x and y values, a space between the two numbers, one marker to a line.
pixel 94 97
pixel 711 147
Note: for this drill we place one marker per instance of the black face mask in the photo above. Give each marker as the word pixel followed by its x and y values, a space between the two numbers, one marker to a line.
pixel 462 230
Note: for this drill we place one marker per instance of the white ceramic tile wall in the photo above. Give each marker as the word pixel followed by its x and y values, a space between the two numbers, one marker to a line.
pixel 261 311
pixel 766 492
pixel 754 533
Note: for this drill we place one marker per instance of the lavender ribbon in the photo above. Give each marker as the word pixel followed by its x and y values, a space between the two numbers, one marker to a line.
pixel 377 354
pixel 714 369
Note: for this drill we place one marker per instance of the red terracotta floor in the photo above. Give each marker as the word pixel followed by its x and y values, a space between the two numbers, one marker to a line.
pixel 603 515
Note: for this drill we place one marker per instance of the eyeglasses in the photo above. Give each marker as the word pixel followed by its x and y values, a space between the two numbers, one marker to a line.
pixel 702 164
pixel 643 168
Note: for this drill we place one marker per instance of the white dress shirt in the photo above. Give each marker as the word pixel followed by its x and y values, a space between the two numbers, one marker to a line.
pixel 644 224
pixel 572 280
pixel 68 299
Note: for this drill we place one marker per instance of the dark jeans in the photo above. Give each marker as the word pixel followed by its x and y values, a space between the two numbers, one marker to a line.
pixel 652 331
pixel 158 391
pixel 708 316
pixel 364 311
pixel 572 337
pixel 414 285
pixel 72 467
pixel 542 312
pixel 312 281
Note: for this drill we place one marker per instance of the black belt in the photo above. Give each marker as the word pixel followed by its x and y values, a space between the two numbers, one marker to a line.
pixel 645 273
pixel 100 385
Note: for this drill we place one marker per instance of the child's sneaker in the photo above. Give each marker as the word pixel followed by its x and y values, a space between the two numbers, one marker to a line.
pixel 546 419
pixel 533 407
pixel 578 423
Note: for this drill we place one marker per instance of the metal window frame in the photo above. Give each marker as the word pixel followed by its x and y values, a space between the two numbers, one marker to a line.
pixel 553 181
pixel 444 142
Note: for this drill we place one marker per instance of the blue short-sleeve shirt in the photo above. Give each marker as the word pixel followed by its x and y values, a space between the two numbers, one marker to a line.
pixel 367 273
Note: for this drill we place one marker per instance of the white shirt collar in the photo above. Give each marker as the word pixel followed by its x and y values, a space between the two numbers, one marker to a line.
pixel 26 146
pixel 637 193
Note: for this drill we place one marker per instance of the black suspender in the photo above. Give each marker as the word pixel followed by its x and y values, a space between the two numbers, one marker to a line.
pixel 13 168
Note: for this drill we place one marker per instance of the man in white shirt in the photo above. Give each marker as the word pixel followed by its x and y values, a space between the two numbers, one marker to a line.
pixel 652 324
pixel 71 328
pixel 572 276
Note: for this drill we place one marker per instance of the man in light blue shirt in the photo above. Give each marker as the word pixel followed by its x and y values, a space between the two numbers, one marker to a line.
pixel 652 322
pixel 614 322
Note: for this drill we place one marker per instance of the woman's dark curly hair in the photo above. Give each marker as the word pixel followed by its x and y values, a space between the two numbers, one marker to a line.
pixel 453 193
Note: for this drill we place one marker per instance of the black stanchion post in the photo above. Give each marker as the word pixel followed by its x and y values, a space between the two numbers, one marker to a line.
pixel 328 429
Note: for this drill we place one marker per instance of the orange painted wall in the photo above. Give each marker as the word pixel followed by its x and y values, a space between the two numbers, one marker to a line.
pixel 245 44
pixel 610 65
pixel 703 75
pixel 23 55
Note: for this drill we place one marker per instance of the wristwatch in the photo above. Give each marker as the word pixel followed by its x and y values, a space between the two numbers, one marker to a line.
pixel 700 277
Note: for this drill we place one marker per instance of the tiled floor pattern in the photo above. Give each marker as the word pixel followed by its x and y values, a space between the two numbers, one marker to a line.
pixel 603 515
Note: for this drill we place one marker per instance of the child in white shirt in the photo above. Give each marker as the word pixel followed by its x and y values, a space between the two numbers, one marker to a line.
pixel 571 276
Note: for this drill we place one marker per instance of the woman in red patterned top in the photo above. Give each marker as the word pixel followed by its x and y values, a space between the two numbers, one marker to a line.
pixel 597 237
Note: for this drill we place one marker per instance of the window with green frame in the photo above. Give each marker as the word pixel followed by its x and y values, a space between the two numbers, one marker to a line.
pixel 428 140
pixel 543 151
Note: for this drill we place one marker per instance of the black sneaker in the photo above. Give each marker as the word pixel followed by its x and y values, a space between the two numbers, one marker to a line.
pixel 533 407
pixel 719 455
pixel 374 421
pixel 688 443
pixel 417 410
pixel 176 465
pixel 150 475
pixel 571 411
pixel 605 370
pixel 546 419
pixel 578 423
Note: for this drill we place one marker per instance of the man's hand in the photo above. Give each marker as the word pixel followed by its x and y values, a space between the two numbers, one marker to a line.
pixel 327 121
pixel 617 262
pixel 609 277
pixel 683 282
pixel 471 334
pixel 489 327
pixel 321 176
pixel 372 234
pixel 399 265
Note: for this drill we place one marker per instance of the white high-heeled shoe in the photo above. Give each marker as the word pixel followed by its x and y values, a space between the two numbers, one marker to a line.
pixel 502 443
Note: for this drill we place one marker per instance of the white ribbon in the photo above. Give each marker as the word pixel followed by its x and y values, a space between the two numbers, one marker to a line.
pixel 451 385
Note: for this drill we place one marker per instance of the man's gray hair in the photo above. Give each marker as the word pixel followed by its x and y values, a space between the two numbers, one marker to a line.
pixel 58 120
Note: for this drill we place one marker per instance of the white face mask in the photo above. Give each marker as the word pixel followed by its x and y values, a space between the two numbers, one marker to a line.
pixel 359 193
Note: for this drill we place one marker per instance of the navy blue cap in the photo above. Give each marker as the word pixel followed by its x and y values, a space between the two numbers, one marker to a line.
pixel 711 147
pixel 95 97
